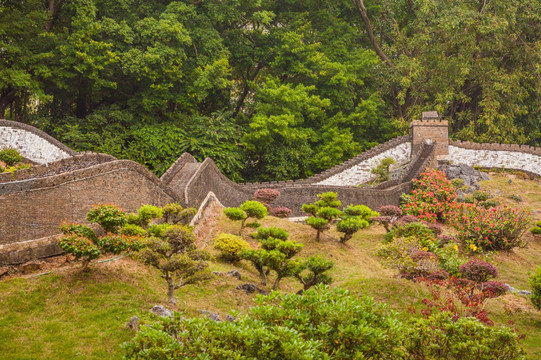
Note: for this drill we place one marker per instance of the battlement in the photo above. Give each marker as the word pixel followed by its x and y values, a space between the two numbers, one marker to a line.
pixel 430 128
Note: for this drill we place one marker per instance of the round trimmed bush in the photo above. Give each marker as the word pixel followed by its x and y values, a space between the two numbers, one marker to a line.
pixel 230 246
pixel 478 270
pixel 254 209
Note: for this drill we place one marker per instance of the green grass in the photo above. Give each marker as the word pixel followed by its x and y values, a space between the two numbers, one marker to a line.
pixel 69 315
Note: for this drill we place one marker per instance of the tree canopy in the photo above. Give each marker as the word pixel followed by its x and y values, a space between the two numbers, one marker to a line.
pixel 271 90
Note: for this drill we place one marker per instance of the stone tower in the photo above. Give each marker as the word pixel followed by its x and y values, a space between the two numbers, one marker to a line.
pixel 431 128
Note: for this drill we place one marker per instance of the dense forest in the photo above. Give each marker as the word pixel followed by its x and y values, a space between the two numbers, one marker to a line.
pixel 270 90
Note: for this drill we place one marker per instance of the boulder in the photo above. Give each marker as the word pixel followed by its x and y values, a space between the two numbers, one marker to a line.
pixel 160 310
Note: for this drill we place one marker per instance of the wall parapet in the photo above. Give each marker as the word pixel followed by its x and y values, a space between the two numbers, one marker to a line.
pixel 527 149
pixel 177 166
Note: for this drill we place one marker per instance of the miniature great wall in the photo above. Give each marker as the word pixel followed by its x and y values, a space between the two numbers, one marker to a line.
pixel 63 184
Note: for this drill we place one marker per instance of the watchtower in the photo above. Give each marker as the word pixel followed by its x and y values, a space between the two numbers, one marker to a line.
pixel 430 128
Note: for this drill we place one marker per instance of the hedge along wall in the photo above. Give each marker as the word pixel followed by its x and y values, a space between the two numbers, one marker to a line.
pixel 35 207
pixel 517 157
pixel 33 144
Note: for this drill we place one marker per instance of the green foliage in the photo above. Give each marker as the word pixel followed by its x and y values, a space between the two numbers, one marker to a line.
pixel 480 196
pixel 230 246
pixel 174 213
pixel 440 336
pixel 249 209
pixel 10 156
pixel 319 224
pixel 414 229
pixel 132 229
pixel 145 214
pixel 457 182
pixel 263 233
pixel 324 211
pixel 157 230
pixel 254 209
pixel 176 257
pixel 382 170
pixel 349 226
pixel 316 266
pixel 320 324
pixel 234 214
pixel 83 242
pixel 535 284
pixel 109 217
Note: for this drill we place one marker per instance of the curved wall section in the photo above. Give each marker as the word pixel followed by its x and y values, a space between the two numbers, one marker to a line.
pixel 33 144
pixel 515 157
pixel 362 172
pixel 34 208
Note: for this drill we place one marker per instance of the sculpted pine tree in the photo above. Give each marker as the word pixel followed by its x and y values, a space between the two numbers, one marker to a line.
pixel 176 256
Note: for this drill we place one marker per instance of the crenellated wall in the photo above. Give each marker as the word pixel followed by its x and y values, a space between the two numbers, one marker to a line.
pixel 33 202
pixel 508 156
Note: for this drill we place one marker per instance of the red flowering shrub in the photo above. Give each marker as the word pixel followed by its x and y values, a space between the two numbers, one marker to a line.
pixel 497 228
pixel 432 197
pixel 478 271
pixel 389 214
pixel 266 195
pixel 493 288
pixel 461 297
pixel 280 211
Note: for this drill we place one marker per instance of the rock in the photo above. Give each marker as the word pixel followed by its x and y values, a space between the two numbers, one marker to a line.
pixel 211 315
pixel 230 318
pixel 233 273
pixel 525 292
pixel 134 323
pixel 30 267
pixel 250 289
pixel 4 270
pixel 510 288
pixel 510 181
pixel 161 311
pixel 452 172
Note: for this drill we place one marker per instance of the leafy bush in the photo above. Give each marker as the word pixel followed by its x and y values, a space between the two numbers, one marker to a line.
pixel 145 214
pixel 316 266
pixel 457 182
pixel 280 211
pixel 354 218
pixel 174 213
pixel 324 211
pixel 535 284
pixel 10 156
pixel 132 229
pixel 230 246
pixel 480 196
pixel 319 324
pixel 497 228
pixel 536 230
pixel 177 258
pixel 266 195
pixel 382 170
pixel 432 197
pixel 408 256
pixel 441 336
pixel 389 214
pixel 249 209
pixel 478 271
pixel 157 230
pixel 83 242
pixel 493 288
pixel 109 217
pixel 273 231
pixel 414 229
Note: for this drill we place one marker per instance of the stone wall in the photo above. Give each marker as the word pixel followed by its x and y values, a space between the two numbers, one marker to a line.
pixel 35 207
pixel 516 157
pixel 33 144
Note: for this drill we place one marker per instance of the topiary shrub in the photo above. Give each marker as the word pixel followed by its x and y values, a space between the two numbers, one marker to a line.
pixel 263 233
pixel 280 212
pixel 382 170
pixel 230 246
pixel 353 219
pixel 266 195
pixel 249 209
pixel 109 217
pixel 145 214
pixel 10 156
pixel 324 211
pixel 157 230
pixel 535 284
pixel 415 229
pixel 132 229
pixel 478 270
pixel 174 213
pixel 389 214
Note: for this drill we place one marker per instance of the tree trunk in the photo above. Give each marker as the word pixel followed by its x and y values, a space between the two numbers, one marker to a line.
pixel 318 233
pixel 171 291
pixel 86 262
pixel 276 283
pixel 263 276
pixel 361 9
